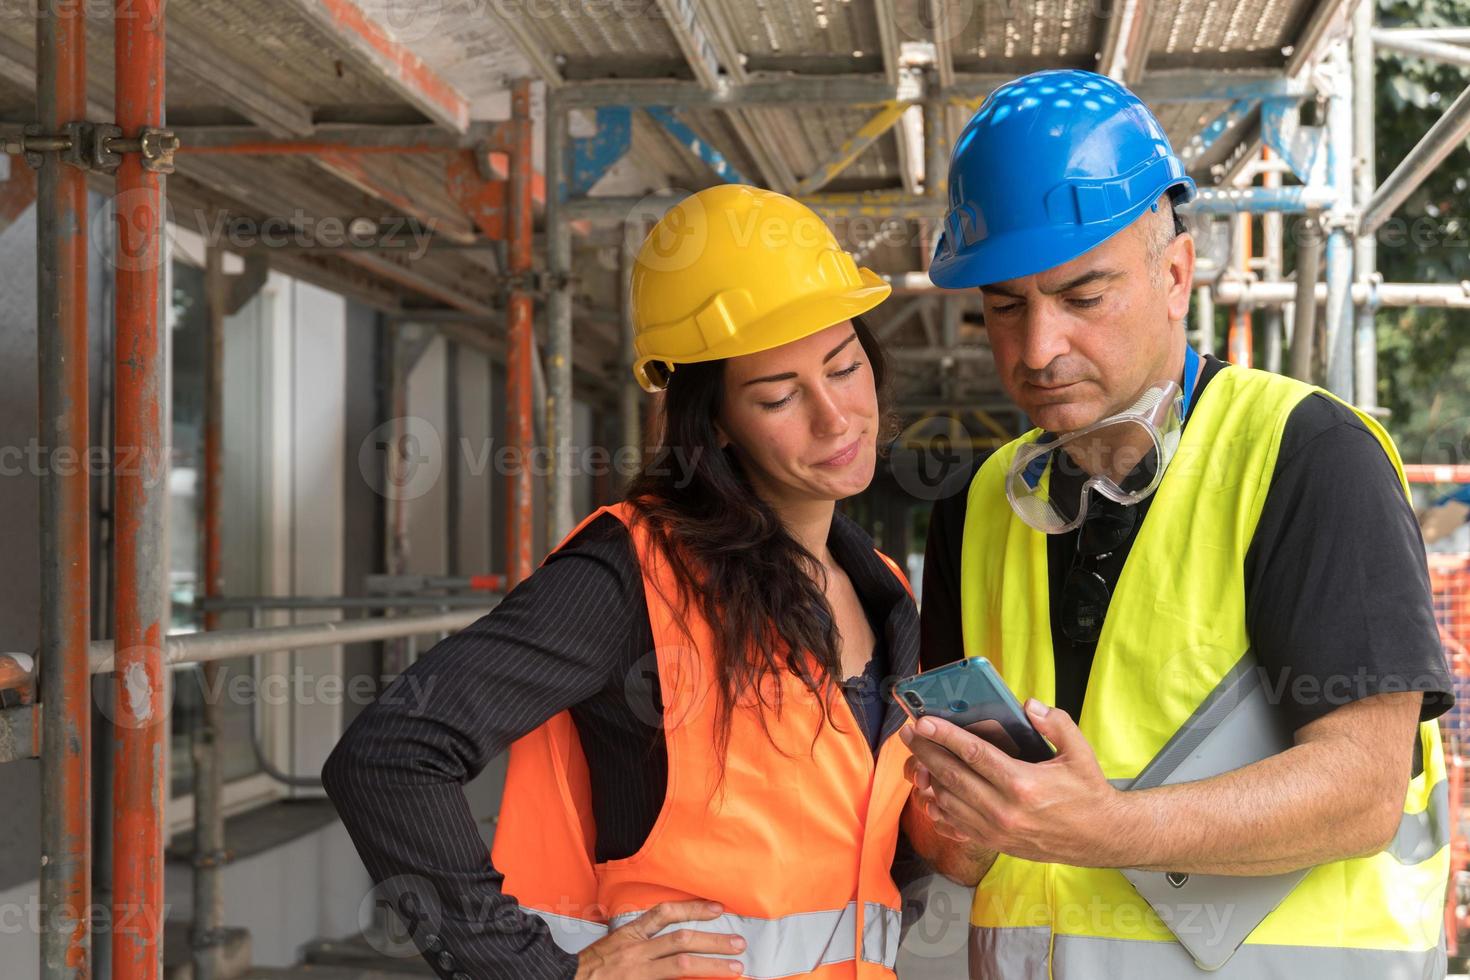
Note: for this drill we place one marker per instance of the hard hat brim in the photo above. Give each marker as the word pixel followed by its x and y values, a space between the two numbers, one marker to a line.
pixel 789 323
pixel 1026 252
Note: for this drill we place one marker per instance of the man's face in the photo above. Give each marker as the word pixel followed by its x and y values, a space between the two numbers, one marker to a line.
pixel 1081 341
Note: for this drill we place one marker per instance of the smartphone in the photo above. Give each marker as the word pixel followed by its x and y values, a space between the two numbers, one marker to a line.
pixel 970 694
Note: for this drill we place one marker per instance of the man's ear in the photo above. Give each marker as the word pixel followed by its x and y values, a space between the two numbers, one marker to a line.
pixel 1180 275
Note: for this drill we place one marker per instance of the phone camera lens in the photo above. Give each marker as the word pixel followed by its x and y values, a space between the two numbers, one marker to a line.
pixel 915 702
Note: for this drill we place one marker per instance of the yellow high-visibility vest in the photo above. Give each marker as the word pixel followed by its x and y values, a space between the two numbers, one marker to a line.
pixel 1176 626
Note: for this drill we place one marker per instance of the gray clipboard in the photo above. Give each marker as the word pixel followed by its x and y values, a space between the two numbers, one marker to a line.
pixel 1236 725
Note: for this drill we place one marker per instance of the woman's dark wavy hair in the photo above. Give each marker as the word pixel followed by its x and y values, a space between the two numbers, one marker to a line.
pixel 755 585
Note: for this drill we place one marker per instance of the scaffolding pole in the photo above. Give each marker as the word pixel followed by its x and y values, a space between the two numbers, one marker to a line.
pixel 1339 257
pixel 520 341
pixel 559 521
pixel 1272 226
pixel 65 586
pixel 630 394
pixel 1304 299
pixel 1240 331
pixel 1365 247
pixel 1204 320
pixel 140 713
pixel 207 929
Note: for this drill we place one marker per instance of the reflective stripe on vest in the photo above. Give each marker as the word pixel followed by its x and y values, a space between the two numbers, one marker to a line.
pixel 797 944
pixel 1021 954
pixel 1421 835
pixel 569 932
pixel 790 945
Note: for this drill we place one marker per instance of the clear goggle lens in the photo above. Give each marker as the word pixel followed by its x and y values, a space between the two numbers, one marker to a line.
pixel 1123 457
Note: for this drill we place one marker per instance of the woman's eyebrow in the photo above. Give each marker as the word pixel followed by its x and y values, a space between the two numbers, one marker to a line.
pixel 791 374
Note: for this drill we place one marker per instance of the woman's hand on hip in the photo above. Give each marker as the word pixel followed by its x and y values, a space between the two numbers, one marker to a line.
pixel 636 951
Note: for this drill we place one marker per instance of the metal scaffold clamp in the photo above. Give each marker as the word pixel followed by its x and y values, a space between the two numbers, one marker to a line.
pixel 1375 298
pixel 156 147
pixel 538 283
pixel 97 147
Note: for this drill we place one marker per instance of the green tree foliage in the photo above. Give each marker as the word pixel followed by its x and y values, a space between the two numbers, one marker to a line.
pixel 1424 353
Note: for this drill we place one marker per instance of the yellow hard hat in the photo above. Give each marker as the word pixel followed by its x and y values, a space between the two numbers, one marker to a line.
pixel 733 270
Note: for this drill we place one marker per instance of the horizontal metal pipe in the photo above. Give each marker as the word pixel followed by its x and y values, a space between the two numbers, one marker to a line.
pixel 620 209
pixel 19 726
pixel 493 582
pixel 372 243
pixel 1453 35
pixel 353 138
pixel 1431 49
pixel 967 89
pixel 1384 294
pixel 302 148
pixel 909 283
pixel 246 602
pixel 1231 291
pixel 223 644
pixel 1258 200
pixel 963 353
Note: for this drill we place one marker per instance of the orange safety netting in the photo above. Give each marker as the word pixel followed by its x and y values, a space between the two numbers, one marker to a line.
pixel 1449 579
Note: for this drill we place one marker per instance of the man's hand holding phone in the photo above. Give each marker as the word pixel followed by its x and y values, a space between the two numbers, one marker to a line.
pixel 1060 810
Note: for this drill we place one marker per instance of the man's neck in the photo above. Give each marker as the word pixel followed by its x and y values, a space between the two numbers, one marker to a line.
pixel 1115 450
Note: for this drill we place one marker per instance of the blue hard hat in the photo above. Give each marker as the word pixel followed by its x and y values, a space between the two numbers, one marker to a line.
pixel 1050 166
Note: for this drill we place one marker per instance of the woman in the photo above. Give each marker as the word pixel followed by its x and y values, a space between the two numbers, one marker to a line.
pixel 691 679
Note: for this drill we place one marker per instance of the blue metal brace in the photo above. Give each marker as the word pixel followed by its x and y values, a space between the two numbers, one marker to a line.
pixel 1216 128
pixel 681 132
pixel 593 155
pixel 1300 146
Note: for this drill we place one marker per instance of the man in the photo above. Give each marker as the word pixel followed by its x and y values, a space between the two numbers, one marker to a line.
pixel 1117 567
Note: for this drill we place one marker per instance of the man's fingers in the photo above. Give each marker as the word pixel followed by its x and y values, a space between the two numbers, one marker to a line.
pixel 946 765
pixel 976 753
pixel 1058 727
pixel 969 811
pixel 949 775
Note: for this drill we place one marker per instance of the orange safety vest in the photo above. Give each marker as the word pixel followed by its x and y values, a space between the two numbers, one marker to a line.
pixel 797 845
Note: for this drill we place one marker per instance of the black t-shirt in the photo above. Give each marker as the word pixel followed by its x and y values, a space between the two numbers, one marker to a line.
pixel 1338 604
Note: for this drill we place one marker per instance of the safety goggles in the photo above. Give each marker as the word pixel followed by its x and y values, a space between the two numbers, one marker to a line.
pixel 1122 457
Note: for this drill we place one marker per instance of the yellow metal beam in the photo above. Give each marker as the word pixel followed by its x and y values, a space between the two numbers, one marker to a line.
pixel 852 147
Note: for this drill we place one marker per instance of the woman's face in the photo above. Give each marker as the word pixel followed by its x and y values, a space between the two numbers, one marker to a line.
pixel 803 417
